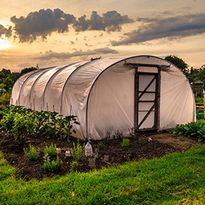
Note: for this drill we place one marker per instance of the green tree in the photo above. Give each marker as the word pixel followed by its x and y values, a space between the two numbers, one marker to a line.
pixel 26 70
pixel 178 62
pixel 201 74
pixel 4 72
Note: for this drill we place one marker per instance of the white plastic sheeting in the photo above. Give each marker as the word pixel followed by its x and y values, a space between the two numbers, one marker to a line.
pixel 101 93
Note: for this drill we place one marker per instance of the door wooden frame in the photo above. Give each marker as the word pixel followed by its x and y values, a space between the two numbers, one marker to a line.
pixel 138 94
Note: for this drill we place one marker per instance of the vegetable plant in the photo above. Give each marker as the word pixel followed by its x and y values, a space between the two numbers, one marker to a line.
pixel 19 127
pixel 53 165
pixel 50 150
pixel 77 151
pixel 193 129
pixel 7 121
pixel 125 142
pixel 199 100
pixel 31 153
pixel 74 166
pixel 20 122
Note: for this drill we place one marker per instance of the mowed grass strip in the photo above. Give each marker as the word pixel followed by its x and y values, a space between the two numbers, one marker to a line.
pixel 177 178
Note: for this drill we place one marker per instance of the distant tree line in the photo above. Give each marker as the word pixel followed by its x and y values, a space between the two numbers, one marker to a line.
pixel 193 74
pixel 8 78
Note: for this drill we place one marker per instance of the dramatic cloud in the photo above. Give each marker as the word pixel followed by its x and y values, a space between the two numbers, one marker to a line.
pixel 45 21
pixel 54 55
pixel 109 21
pixel 173 27
pixel 5 32
pixel 41 23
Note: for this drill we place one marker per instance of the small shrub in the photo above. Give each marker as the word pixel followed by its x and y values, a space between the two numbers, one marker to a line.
pixel 77 152
pixel 50 150
pixel 193 129
pixel 125 142
pixel 52 165
pixel 31 153
pixel 74 166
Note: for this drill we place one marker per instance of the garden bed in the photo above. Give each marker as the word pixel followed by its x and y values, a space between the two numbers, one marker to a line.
pixel 107 153
pixel 41 144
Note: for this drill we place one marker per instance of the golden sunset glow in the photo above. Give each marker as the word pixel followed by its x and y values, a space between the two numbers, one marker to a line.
pixel 47 33
pixel 4 44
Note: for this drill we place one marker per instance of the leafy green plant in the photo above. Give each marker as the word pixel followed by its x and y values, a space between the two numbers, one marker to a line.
pixel 199 114
pixel 51 124
pixel 65 126
pixel 4 99
pixel 199 100
pixel 193 129
pixel 47 124
pixel 52 165
pixel 24 126
pixel 74 166
pixel 50 150
pixel 20 126
pixel 31 153
pixel 125 142
pixel 77 151
pixel 7 120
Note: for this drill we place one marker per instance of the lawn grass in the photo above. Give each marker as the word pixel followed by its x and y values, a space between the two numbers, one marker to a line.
pixel 177 178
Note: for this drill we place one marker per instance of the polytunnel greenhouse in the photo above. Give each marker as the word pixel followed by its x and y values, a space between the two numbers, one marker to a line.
pixel 110 95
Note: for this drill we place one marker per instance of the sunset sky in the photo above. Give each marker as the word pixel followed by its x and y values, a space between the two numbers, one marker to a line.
pixel 56 32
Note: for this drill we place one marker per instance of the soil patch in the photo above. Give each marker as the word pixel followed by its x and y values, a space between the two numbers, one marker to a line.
pixel 179 142
pixel 107 153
